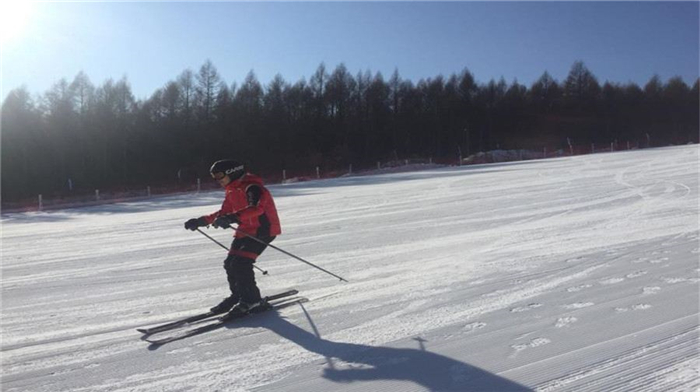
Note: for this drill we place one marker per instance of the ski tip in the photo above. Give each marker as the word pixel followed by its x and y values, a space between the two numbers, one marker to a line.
pixel 142 330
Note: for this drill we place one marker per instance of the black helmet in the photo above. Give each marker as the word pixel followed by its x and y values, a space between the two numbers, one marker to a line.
pixel 229 167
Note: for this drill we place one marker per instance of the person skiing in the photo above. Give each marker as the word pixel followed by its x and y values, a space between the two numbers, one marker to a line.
pixel 250 205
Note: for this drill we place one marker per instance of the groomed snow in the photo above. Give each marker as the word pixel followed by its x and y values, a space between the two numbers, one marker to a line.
pixel 569 274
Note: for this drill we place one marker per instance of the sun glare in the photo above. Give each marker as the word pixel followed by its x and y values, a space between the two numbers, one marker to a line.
pixel 14 16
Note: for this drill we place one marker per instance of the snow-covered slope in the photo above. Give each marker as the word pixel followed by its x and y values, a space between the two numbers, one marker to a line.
pixel 564 274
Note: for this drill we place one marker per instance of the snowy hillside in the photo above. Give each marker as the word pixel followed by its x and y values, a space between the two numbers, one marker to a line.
pixel 570 274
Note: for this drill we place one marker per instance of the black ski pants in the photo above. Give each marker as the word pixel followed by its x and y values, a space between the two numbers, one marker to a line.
pixel 239 267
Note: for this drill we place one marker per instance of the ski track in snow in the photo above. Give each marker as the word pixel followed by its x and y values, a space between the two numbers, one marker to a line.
pixel 570 274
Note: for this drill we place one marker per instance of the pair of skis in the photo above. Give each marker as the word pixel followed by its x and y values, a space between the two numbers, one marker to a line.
pixel 272 300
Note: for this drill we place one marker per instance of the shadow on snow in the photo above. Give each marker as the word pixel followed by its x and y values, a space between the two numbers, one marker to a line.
pixel 432 371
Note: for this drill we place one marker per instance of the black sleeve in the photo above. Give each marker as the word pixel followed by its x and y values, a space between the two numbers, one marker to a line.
pixel 253 194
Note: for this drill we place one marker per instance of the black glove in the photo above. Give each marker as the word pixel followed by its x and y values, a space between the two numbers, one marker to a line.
pixel 194 223
pixel 225 221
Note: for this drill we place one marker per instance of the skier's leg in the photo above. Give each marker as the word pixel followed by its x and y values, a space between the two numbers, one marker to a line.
pixel 245 252
pixel 231 272
pixel 234 297
pixel 244 274
pixel 231 275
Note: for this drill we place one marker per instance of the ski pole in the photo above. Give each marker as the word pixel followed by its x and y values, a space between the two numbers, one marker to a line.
pixel 285 252
pixel 224 246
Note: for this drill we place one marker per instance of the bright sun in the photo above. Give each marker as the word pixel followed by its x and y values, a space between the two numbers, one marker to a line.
pixel 14 16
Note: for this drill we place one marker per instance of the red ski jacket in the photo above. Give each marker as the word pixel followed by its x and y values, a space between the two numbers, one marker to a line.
pixel 248 198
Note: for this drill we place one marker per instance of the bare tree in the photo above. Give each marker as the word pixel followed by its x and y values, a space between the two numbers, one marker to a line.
pixel 208 83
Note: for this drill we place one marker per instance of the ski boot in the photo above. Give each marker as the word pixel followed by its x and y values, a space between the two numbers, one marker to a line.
pixel 225 305
pixel 243 308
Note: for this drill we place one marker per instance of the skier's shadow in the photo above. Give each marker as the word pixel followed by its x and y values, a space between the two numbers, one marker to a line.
pixel 370 363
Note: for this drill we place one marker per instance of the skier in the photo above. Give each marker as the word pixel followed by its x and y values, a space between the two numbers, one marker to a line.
pixel 250 205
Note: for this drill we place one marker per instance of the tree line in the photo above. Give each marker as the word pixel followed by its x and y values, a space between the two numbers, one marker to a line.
pixel 81 136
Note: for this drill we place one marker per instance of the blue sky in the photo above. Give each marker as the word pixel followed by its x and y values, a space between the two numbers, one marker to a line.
pixel 152 43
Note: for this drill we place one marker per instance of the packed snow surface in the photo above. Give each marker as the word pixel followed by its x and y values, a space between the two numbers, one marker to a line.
pixel 568 274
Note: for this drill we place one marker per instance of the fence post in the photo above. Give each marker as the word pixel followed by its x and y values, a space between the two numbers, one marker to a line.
pixel 199 185
pixel 612 146
pixel 97 195
pixel 318 173
pixel 592 148
pixel 379 165
pixel 148 191
pixel 350 170
pixel 545 152
pixel 628 144
pixel 284 175
pixel 41 203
